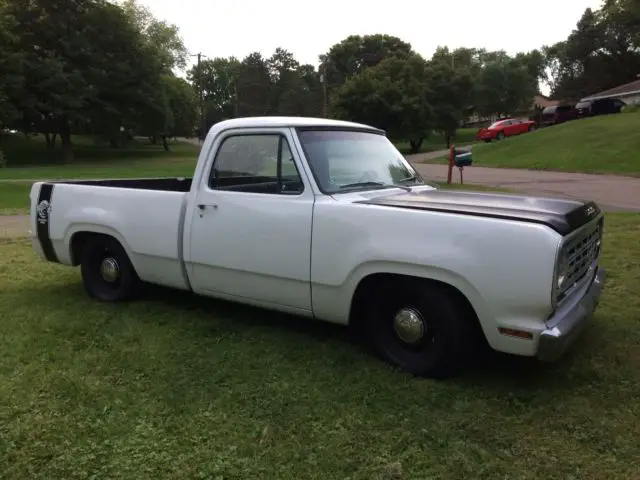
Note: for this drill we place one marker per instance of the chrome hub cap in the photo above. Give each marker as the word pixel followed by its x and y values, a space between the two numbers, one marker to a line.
pixel 109 269
pixel 409 325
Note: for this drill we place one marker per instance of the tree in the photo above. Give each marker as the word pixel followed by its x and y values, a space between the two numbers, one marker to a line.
pixel 217 77
pixel 450 95
pixel 11 64
pixel 163 38
pixel 505 85
pixel 85 67
pixel 356 53
pixel 182 104
pixel 393 95
pixel 253 86
pixel 603 51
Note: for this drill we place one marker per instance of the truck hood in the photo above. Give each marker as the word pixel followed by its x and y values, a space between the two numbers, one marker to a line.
pixel 562 215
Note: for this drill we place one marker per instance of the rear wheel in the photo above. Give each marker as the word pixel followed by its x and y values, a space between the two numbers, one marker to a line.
pixel 420 328
pixel 107 272
pixel 532 128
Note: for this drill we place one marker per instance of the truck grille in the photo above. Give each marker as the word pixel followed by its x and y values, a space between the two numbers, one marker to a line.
pixel 581 252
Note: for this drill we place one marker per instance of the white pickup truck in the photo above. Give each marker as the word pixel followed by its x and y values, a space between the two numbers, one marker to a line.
pixel 326 219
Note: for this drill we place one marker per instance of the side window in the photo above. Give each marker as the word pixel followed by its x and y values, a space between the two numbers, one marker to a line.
pixel 256 163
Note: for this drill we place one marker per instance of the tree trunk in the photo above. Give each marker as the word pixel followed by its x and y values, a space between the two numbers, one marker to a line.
pixel 415 144
pixel 165 144
pixel 153 139
pixel 65 141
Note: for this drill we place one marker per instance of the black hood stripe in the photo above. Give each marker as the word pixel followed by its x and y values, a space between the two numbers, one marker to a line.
pixel 43 214
pixel 562 215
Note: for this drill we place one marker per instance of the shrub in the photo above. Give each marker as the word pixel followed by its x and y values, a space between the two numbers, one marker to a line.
pixel 633 108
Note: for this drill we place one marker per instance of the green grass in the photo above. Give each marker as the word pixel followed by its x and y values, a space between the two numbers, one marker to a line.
pixel 607 144
pixel 14 197
pixel 436 141
pixel 181 387
pixel 28 159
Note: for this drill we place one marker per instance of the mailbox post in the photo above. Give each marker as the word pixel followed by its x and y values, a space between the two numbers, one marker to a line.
pixel 452 159
pixel 462 158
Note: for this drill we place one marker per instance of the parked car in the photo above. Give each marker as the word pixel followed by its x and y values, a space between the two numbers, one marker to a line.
pixel 505 128
pixel 602 106
pixel 326 219
pixel 558 114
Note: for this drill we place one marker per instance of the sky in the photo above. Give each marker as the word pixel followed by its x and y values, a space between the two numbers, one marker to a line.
pixel 309 28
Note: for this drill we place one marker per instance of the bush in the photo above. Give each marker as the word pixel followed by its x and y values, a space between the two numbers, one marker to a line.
pixel 633 108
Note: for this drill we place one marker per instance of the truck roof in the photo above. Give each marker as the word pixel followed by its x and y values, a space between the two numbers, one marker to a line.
pixel 249 122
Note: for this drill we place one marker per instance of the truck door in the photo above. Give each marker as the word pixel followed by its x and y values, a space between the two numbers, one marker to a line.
pixel 251 227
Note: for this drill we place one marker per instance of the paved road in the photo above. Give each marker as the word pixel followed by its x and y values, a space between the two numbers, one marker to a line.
pixel 612 192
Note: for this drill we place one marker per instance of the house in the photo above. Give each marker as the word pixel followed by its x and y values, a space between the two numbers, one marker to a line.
pixel 629 93
pixel 543 102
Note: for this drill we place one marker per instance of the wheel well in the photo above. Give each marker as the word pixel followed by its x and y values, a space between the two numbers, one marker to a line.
pixel 372 284
pixel 79 242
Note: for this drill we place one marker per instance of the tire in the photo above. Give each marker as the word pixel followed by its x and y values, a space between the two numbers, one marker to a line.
pixel 532 128
pixel 120 283
pixel 500 136
pixel 448 340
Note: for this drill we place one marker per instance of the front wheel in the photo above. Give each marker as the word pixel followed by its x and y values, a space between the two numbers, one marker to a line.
pixel 500 136
pixel 107 272
pixel 420 328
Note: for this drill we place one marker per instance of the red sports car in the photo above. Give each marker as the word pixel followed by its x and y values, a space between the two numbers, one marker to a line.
pixel 506 127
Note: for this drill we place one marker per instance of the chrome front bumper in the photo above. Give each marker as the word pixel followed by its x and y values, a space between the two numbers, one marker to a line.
pixel 568 322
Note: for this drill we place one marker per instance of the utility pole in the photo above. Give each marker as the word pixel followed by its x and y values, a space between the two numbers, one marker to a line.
pixel 203 134
pixel 323 79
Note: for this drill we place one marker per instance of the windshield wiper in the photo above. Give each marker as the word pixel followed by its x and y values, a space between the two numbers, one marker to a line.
pixel 412 178
pixel 375 184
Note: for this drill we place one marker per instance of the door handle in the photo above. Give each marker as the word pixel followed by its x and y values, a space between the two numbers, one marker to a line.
pixel 202 206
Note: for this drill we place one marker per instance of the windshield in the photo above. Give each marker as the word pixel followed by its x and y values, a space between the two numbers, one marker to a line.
pixel 343 160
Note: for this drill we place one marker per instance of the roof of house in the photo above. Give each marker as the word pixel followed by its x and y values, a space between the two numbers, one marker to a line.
pixel 621 90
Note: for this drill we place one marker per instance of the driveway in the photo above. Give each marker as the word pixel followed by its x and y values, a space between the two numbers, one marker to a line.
pixel 13 226
pixel 612 192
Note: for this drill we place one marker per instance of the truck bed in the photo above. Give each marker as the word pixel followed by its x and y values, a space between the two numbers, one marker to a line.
pixel 146 215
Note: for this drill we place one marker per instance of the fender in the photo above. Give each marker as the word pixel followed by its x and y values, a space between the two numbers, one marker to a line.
pixel 86 227
pixel 334 303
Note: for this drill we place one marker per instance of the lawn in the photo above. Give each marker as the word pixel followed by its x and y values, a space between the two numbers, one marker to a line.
pixel 181 387
pixel 607 144
pixel 28 160
pixel 436 141
pixel 14 197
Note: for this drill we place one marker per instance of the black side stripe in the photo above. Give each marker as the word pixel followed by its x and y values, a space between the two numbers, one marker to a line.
pixel 43 210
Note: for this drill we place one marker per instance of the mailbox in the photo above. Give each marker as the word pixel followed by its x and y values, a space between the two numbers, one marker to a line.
pixel 463 158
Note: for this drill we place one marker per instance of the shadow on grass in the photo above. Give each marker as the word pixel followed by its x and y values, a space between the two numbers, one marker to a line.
pixel 519 379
